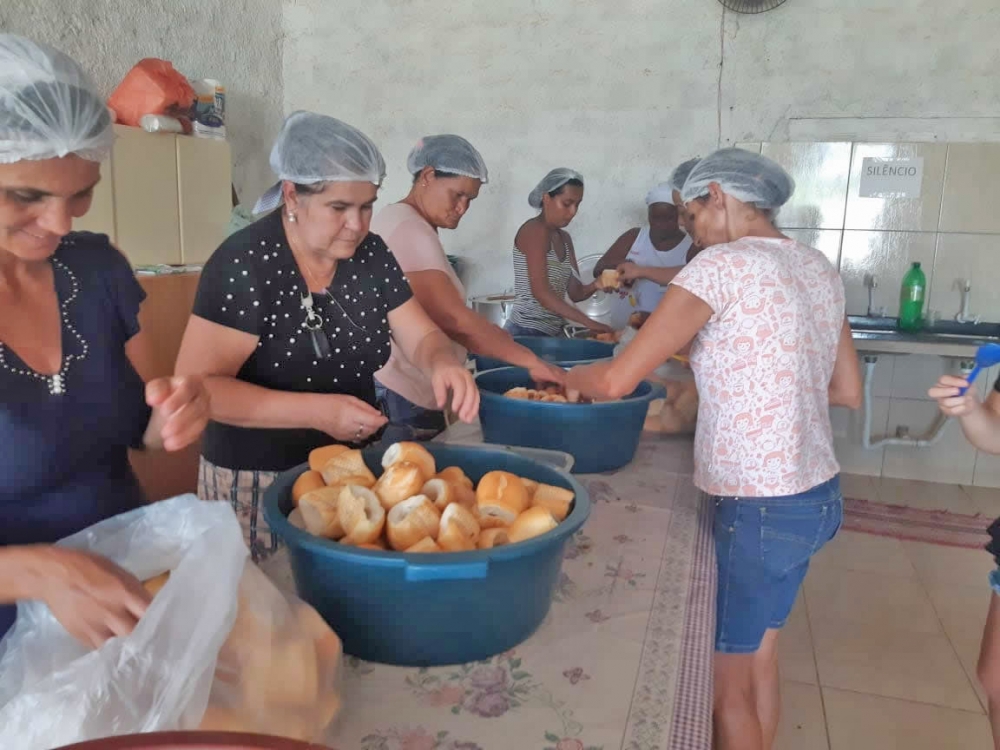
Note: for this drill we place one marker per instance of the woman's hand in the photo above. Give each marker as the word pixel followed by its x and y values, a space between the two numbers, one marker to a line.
pixel 543 372
pixel 596 327
pixel 180 411
pixel 952 403
pixel 89 595
pixel 346 418
pixel 454 377
pixel 629 272
pixel 587 380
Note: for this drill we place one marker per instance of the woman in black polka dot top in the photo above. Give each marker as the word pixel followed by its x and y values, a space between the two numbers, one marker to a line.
pixel 294 316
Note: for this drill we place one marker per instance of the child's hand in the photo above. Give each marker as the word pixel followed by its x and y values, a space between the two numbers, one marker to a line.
pixel 947 392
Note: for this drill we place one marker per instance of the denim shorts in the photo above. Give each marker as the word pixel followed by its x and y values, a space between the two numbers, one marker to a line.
pixel 763 546
pixel 516 329
pixel 407 420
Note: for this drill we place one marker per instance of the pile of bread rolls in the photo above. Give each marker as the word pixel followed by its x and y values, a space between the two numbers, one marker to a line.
pixel 278 671
pixel 552 394
pixel 414 507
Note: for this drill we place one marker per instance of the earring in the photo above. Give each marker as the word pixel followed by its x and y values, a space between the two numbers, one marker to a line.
pixel 291 217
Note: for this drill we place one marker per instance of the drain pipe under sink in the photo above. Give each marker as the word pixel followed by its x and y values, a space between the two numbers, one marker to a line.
pixel 933 435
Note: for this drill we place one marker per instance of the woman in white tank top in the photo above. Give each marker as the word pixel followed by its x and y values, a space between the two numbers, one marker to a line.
pixel 648 258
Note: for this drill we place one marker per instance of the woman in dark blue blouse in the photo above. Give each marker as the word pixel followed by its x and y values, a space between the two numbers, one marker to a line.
pixel 71 402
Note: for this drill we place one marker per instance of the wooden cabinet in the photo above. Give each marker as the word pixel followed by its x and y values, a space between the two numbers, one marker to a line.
pixel 163 198
pixel 162 318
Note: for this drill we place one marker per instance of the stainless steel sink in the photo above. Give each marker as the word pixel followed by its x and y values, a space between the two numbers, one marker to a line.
pixel 943 339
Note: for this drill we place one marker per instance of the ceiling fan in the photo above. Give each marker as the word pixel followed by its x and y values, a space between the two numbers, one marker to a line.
pixel 751 6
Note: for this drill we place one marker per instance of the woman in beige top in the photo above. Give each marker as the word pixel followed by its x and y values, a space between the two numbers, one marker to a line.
pixel 447 175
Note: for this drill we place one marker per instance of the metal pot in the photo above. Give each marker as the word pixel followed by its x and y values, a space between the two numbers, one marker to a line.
pixel 494 307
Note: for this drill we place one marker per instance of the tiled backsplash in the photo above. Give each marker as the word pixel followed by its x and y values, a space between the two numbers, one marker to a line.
pixel 953 230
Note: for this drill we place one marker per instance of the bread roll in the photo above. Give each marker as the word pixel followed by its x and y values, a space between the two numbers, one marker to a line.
pixel 556 500
pixel 286 674
pixel 424 545
pixel 440 492
pixel 533 522
pixel 348 467
pixel 415 453
pixel 520 393
pixel 455 475
pixel 412 520
pixel 610 279
pixel 319 513
pixel 459 529
pixel 491 538
pixel 530 485
pixel 361 515
pixel 295 519
pixel 319 457
pixel 376 546
pixel 500 498
pixel 400 481
pixel 153 585
pixel 307 482
pixel 652 421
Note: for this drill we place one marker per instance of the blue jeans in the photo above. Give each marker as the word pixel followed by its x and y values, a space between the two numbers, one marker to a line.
pixel 515 329
pixel 763 546
pixel 407 421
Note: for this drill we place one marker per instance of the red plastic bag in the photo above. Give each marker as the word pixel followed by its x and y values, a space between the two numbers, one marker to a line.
pixel 152 87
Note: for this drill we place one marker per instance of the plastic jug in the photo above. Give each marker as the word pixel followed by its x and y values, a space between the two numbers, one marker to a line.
pixel 911 299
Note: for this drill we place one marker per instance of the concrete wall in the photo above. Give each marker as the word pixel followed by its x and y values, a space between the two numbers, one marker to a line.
pixel 236 41
pixel 622 91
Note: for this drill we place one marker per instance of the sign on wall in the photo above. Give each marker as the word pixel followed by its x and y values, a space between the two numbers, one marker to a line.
pixel 891 178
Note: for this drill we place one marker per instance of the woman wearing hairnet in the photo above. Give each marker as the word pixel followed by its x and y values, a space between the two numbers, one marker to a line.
pixel 545 270
pixel 772 351
pixel 448 173
pixel 71 401
pixel 647 258
pixel 294 315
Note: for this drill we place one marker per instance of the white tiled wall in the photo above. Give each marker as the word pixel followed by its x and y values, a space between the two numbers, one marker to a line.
pixel 953 229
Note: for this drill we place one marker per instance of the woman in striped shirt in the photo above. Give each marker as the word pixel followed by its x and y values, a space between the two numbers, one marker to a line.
pixel 545 269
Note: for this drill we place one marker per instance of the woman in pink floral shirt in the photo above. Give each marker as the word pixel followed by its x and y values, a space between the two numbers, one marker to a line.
pixel 771 352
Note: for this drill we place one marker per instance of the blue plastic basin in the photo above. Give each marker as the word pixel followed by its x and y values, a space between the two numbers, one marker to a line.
pixel 600 437
pixel 430 609
pixel 561 351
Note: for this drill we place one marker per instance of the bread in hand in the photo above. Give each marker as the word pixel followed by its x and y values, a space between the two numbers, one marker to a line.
pixel 490 538
pixel 361 515
pixel 458 530
pixel 415 453
pixel 500 498
pixel 556 500
pixel 319 512
pixel 412 520
pixel 348 467
pixel 400 481
pixel 533 522
pixel 610 279
pixel 307 482
pixel 153 585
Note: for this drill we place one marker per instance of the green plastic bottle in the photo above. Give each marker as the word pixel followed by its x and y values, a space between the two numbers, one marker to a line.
pixel 911 299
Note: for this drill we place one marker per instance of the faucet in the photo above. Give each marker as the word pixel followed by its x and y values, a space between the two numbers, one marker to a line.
pixel 872 283
pixel 964 315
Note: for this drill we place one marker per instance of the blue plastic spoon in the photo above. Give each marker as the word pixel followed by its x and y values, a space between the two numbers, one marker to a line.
pixel 986 356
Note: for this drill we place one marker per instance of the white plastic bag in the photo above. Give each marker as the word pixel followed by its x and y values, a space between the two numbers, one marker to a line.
pixel 54 691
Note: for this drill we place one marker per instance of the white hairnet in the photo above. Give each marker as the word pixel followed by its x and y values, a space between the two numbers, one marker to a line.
pixel 48 107
pixel 662 193
pixel 314 148
pixel 748 177
pixel 448 153
pixel 550 182
pixel 679 176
